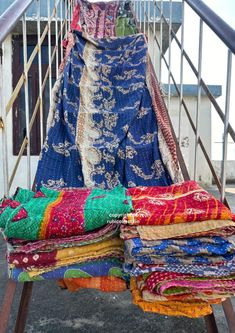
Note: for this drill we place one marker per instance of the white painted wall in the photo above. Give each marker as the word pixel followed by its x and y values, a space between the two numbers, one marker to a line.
pixel 187 137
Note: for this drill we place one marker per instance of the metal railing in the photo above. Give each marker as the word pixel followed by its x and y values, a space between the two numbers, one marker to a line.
pixel 156 20
pixel 57 19
pixel 206 18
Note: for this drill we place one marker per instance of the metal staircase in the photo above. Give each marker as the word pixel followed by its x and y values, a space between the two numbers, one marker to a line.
pixel 41 29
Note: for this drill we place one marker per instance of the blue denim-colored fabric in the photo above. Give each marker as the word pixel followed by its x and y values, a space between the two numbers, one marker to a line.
pixel 104 129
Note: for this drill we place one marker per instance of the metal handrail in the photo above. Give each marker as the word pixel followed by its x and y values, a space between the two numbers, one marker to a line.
pixel 11 16
pixel 216 23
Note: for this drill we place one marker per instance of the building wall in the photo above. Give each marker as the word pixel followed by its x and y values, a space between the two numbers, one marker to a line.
pixel 187 137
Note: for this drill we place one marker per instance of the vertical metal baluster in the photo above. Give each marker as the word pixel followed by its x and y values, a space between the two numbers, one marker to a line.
pixel 134 7
pixel 144 16
pixel 56 41
pixel 141 9
pixel 169 59
pixel 66 18
pixel 149 24
pixel 69 3
pixel 3 127
pixel 26 94
pixel 226 123
pixel 198 97
pixel 49 47
pixel 40 69
pixel 154 34
pixel 71 13
pixel 181 73
pixel 161 36
pixel 61 31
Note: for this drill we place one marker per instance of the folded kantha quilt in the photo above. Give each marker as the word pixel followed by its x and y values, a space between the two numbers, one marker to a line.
pixel 152 296
pixel 181 247
pixel 47 245
pixel 42 262
pixel 57 214
pixel 209 228
pixel 224 268
pixel 169 283
pixel 179 203
pixel 191 309
pixel 103 267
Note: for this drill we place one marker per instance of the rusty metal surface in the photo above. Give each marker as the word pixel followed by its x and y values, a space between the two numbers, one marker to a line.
pixel 6 305
pixel 23 307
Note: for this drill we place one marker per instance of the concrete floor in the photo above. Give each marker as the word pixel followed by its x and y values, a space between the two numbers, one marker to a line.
pixel 53 310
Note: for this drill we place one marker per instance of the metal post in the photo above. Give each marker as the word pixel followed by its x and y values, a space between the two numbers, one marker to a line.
pixel 61 31
pixel 66 17
pixel 154 34
pixel 198 97
pixel 226 123
pixel 141 7
pixel 40 70
pixel 161 33
pixel 56 41
pixel 181 73
pixel 26 94
pixel 144 16
pixel 169 59
pixel 49 48
pixel 3 129
pixel 149 23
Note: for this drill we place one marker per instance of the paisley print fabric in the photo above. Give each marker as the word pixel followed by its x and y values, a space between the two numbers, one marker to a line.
pixel 97 137
pixel 179 203
pixel 104 267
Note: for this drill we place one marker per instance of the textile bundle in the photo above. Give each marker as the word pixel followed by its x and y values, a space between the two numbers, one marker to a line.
pixel 179 249
pixel 107 128
pixel 66 234
pixel 106 91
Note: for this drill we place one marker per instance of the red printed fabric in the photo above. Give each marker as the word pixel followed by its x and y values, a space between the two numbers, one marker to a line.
pixel 65 216
pixel 75 21
pixel 40 259
pixel 179 203
pixel 98 19
pixel 164 283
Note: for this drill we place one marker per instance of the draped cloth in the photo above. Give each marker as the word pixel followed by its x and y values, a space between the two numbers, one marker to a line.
pixel 103 130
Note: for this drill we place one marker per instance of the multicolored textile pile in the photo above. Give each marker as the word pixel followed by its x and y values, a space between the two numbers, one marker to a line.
pixel 66 234
pixel 179 249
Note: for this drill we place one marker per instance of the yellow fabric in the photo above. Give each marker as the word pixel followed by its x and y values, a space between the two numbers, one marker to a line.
pixel 191 309
pixel 180 229
pixel 91 249
pixel 83 253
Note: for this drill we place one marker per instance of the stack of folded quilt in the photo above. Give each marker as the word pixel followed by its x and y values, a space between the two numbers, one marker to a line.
pixel 66 234
pixel 179 249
